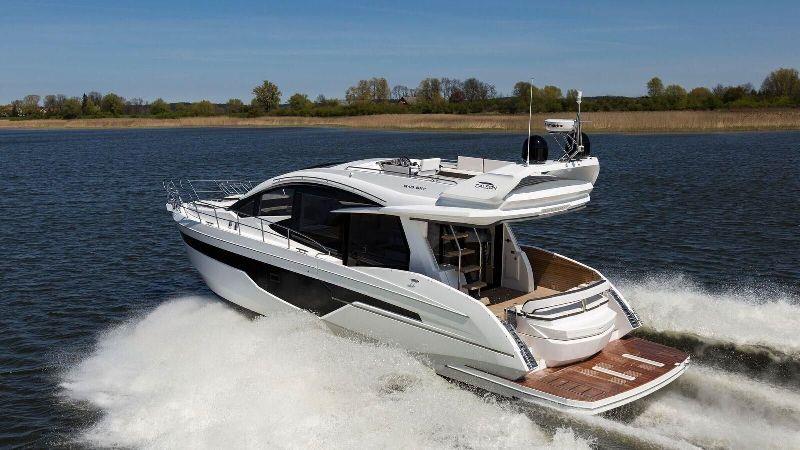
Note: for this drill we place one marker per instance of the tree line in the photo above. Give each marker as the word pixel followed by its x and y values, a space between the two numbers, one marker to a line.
pixel 780 88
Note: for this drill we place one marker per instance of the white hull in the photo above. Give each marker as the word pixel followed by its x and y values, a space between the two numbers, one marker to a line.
pixel 419 254
pixel 454 354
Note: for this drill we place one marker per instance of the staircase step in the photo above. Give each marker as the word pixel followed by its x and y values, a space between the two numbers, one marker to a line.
pixel 470 268
pixel 475 285
pixel 454 253
pixel 450 237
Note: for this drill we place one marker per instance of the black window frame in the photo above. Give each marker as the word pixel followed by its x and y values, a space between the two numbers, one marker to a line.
pixel 378 257
pixel 314 189
pixel 260 198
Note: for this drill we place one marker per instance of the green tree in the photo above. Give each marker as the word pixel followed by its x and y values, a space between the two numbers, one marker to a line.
pixel 134 106
pixel 322 101
pixel 522 90
pixel 783 82
pixel 522 95
pixel 112 104
pixel 450 86
pixel 203 108
pixel 675 96
pixel 571 100
pixel 551 97
pixel 379 88
pixel 96 97
pixel 430 89
pixel 457 95
pixel 299 101
pixel 476 90
pixel 71 109
pixel 182 109
pixel 53 104
pixel 400 91
pixel 360 93
pixel 730 94
pixel 655 87
pixel 700 98
pixel 234 106
pixel 29 106
pixel 159 107
pixel 267 96
pixel 90 108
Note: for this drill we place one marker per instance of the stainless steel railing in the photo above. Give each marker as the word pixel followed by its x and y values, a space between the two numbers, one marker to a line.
pixel 197 209
pixel 219 188
pixel 431 178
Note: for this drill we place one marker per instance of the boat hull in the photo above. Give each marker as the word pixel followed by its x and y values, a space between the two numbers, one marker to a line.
pixel 482 363
pixel 372 305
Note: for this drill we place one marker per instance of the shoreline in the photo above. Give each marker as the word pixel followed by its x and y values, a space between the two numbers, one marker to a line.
pixel 635 122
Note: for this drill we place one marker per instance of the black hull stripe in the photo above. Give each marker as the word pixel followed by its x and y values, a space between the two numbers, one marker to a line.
pixel 299 290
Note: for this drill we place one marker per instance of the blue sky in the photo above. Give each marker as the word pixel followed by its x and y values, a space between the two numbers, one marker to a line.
pixel 192 50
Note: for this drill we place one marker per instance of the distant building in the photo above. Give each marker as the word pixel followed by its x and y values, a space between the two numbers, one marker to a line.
pixel 407 100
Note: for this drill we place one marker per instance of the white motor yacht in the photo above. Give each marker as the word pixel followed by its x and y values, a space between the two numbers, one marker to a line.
pixel 419 253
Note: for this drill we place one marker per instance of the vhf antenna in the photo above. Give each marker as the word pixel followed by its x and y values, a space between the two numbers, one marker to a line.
pixel 530 118
pixel 580 136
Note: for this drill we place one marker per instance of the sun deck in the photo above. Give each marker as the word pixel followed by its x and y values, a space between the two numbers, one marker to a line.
pixel 621 366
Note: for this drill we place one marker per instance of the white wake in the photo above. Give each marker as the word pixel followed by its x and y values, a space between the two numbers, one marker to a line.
pixel 709 408
pixel 716 409
pixel 742 316
pixel 195 374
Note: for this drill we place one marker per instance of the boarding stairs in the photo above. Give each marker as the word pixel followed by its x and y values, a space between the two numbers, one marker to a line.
pixel 473 271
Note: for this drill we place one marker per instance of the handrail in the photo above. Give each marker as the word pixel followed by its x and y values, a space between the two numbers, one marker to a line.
pixel 201 188
pixel 400 174
pixel 188 208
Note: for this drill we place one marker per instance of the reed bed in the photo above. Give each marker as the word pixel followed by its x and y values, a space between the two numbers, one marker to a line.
pixel 628 121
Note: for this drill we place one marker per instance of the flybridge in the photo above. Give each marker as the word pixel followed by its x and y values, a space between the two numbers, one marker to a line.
pixel 469 190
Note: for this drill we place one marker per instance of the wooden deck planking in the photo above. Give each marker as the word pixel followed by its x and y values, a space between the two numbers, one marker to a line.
pixel 502 298
pixel 557 273
pixel 579 381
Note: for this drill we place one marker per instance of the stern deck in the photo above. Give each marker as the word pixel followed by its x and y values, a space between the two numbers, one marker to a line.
pixel 623 365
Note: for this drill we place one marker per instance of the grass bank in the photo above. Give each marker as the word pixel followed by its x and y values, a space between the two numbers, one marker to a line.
pixel 609 122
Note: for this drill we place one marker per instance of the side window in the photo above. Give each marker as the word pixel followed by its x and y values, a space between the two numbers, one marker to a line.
pixel 377 240
pixel 276 203
pixel 245 207
pixel 313 216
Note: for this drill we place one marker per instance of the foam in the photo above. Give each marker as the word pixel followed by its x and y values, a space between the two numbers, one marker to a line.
pixel 716 409
pixel 195 374
pixel 742 315
pixel 709 408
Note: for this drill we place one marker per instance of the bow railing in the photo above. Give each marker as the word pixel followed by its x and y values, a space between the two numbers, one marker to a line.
pixel 215 215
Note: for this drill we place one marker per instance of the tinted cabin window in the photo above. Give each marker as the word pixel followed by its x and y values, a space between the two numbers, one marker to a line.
pixel 313 216
pixel 245 207
pixel 377 240
pixel 276 203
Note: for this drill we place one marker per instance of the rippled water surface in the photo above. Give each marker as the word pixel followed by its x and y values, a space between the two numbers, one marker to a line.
pixel 109 338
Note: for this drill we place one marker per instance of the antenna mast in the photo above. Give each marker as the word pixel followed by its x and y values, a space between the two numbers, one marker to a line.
pixel 530 118
pixel 580 136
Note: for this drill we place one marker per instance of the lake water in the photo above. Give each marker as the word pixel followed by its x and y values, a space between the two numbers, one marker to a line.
pixel 108 337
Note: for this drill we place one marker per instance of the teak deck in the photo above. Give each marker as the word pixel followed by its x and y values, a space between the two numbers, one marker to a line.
pixel 583 381
pixel 501 298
